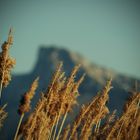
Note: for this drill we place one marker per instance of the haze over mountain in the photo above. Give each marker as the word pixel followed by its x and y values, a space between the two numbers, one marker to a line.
pixel 48 58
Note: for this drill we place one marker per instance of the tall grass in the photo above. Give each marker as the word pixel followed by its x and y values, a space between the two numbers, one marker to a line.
pixel 25 103
pixel 6 63
pixel 47 120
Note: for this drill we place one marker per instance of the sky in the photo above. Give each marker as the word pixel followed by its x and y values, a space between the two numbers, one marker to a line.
pixel 106 32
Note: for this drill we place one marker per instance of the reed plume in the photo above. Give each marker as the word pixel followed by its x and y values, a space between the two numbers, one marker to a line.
pixel 68 96
pixel 25 103
pixel 127 126
pixel 6 63
pixel 55 104
pixel 104 130
pixel 47 104
pixel 31 128
pixel 91 114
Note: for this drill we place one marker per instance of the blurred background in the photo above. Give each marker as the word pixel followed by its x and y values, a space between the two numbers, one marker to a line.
pixel 102 35
pixel 106 32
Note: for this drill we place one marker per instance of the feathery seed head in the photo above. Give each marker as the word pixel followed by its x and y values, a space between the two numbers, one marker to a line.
pixel 25 102
pixel 6 62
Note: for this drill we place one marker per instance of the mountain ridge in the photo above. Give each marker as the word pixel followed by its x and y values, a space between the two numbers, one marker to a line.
pixel 97 72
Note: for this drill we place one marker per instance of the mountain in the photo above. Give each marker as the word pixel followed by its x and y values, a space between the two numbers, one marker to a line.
pixel 48 58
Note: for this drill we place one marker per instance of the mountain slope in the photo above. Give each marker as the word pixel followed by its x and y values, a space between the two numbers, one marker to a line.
pixel 48 58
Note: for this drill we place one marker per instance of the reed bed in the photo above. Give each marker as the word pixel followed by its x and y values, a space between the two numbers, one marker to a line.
pixel 48 119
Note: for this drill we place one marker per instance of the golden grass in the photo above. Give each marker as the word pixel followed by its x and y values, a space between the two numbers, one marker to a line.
pixel 25 103
pixel 48 118
pixel 6 63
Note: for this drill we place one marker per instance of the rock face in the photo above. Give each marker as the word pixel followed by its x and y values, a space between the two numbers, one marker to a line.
pixel 48 58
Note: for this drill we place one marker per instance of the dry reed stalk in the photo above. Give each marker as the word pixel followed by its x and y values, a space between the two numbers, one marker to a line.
pixel 97 112
pixel 97 127
pixel 30 125
pixel 18 127
pixel 57 121
pixel 55 79
pixel 72 101
pixel 6 63
pixel 126 121
pixel 3 115
pixel 25 104
pixel 69 96
pixel 86 130
pixel 136 130
pixel 105 128
pixel 58 101
pixel 48 104
pixel 92 113
pixel 132 125
pixel 55 104
pixel 57 84
pixel 61 126
pixel 54 122
pixel 77 122
pixel 65 134
pixel 41 130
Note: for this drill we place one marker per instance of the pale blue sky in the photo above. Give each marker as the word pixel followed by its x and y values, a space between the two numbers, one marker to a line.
pixel 106 32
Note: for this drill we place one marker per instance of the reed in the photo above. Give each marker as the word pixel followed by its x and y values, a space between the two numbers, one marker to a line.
pixel 47 121
pixel 25 104
pixel 6 63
